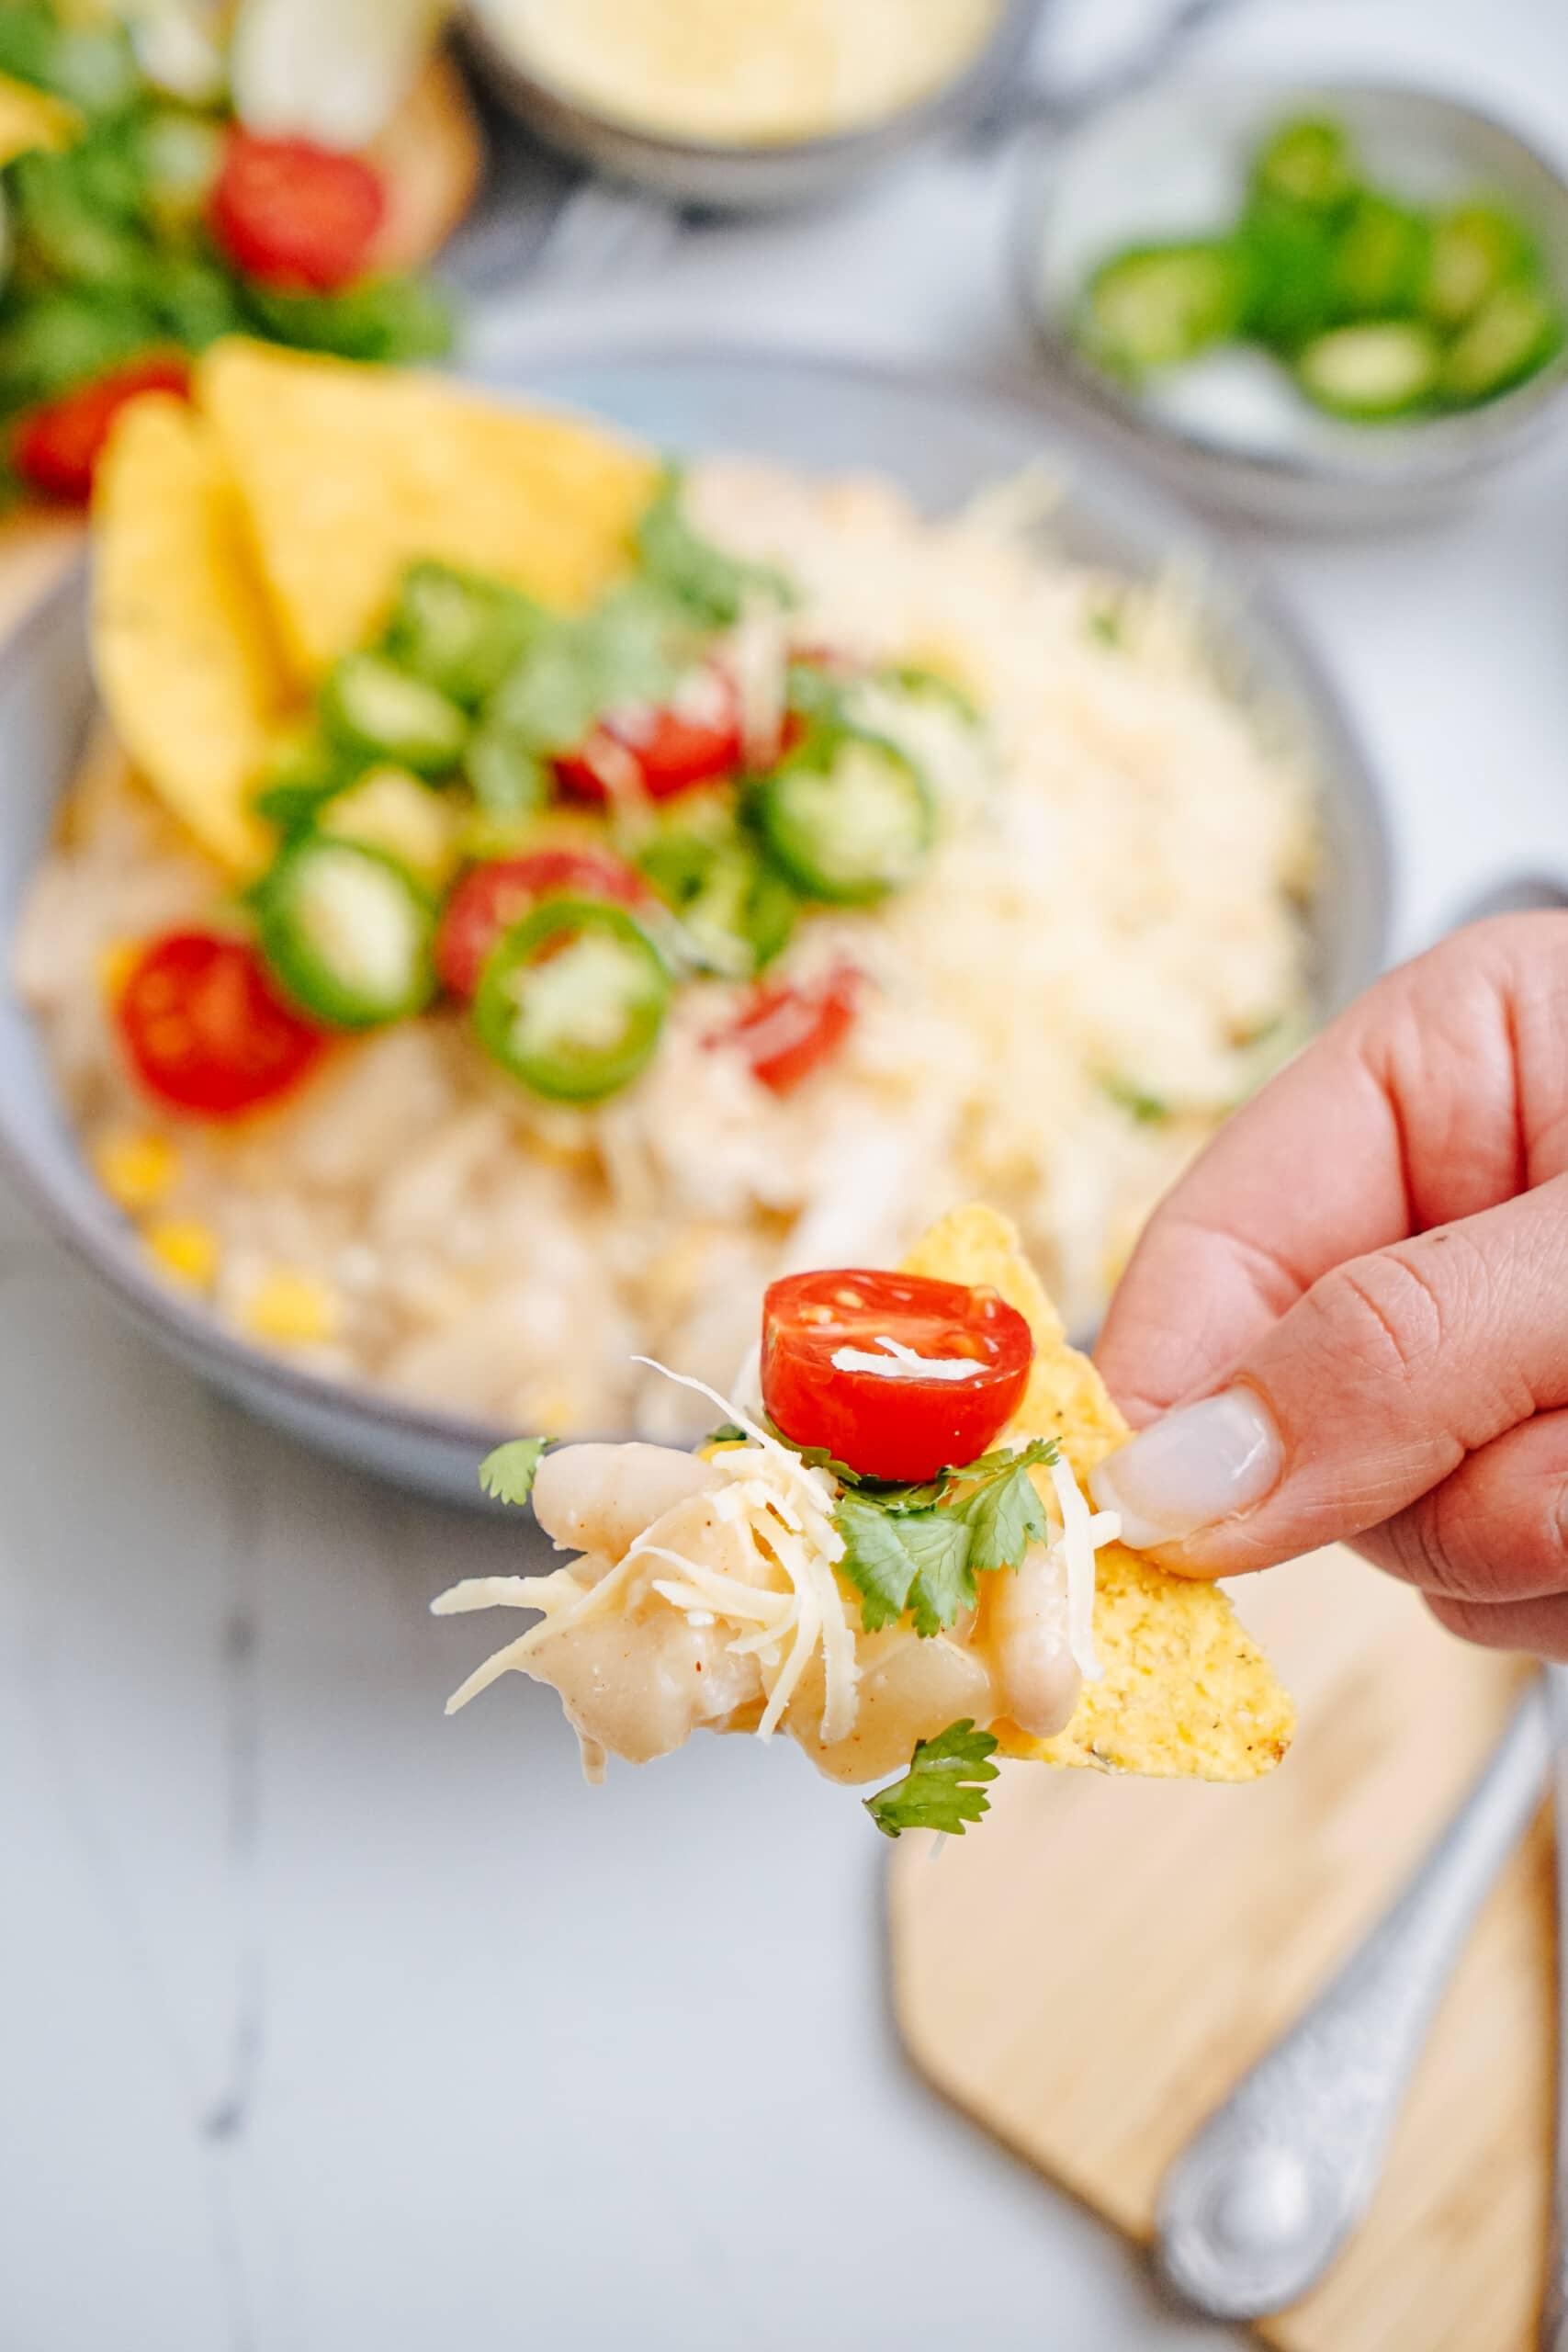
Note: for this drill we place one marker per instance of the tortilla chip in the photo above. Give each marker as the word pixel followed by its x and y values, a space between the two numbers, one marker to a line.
pixel 30 118
pixel 1184 1692
pixel 349 473
pixel 182 644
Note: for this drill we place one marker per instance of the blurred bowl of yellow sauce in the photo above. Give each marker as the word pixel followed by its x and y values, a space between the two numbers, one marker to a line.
pixel 746 105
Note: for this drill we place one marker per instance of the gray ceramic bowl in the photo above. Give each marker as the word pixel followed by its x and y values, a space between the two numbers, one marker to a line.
pixel 1230 430
pixel 941 443
pixel 759 178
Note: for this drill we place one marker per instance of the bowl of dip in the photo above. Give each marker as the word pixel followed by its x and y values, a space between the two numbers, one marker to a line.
pixel 416 1258
pixel 746 105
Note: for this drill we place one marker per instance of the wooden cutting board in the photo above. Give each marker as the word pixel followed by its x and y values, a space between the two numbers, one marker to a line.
pixel 1093 1970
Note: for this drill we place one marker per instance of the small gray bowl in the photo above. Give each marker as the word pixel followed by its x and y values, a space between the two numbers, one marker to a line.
pixel 941 443
pixel 766 176
pixel 1230 429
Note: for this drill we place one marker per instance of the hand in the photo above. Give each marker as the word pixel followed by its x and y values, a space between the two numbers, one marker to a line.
pixel 1349 1320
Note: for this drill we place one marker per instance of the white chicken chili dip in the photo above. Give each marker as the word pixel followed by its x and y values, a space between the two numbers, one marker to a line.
pixel 1098 952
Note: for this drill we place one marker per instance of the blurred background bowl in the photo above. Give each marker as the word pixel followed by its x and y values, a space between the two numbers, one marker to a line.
pixel 1229 428
pixel 941 443
pixel 740 178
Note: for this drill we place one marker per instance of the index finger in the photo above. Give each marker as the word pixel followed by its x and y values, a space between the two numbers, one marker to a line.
pixel 1405 1113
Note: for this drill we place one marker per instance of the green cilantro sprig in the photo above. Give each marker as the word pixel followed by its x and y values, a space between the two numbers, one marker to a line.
pixel 920 1548
pixel 917 679
pixel 917 1560
pixel 945 1786
pixel 634 645
pixel 509 1473
pixel 1148 1109
pixel 926 1557
pixel 710 586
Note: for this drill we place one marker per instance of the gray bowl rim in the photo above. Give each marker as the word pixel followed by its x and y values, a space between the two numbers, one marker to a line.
pixel 1438 450
pixel 229 1360
pixel 933 111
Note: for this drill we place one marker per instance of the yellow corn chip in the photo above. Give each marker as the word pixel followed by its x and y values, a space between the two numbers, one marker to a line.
pixel 30 118
pixel 349 473
pixel 182 645
pixel 1184 1693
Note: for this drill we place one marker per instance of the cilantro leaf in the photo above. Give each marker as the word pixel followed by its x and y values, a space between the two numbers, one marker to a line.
pixel 915 678
pixel 817 694
pixel 877 1561
pixel 705 582
pixel 1008 1457
pixel 576 669
pixel 943 1787
pixel 508 1473
pixel 1139 1103
pixel 941 1545
pixel 897 1560
pixel 922 1547
pixel 1004 1516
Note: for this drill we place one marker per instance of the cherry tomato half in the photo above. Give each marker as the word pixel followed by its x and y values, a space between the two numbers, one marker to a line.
pixel 898 1424
pixel 206 1030
pixel 659 750
pixel 56 447
pixel 294 214
pixel 489 899
pixel 786 1031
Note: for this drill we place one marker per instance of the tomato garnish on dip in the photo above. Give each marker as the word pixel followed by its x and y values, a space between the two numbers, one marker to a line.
pixel 659 750
pixel 489 899
pixel 894 1375
pixel 788 1030
pixel 54 447
pixel 294 214
pixel 206 1030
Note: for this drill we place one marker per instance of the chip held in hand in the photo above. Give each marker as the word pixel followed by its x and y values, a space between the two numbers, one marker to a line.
pixel 898 1563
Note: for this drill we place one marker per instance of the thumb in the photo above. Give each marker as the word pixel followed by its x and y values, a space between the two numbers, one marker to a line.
pixel 1363 1396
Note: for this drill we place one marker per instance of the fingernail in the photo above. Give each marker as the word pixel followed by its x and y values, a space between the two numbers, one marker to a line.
pixel 1197 1465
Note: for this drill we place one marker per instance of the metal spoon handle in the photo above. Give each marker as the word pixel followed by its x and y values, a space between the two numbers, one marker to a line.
pixel 1260 2200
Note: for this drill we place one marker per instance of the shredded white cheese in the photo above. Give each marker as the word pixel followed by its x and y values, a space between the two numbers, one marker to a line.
pixel 783 1511
pixel 1083 1532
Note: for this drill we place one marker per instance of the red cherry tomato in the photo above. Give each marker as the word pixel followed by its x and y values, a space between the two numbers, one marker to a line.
pixel 294 214
pixel 55 447
pixel 489 899
pixel 784 1031
pixel 206 1030
pixel 895 1424
pixel 659 750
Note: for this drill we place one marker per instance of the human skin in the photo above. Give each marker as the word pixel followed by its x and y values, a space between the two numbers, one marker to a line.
pixel 1349 1320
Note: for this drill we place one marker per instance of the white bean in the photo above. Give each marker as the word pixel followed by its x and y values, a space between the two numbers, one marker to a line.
pixel 602 1498
pixel 1035 1670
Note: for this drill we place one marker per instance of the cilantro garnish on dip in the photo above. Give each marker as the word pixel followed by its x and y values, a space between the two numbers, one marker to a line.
pixel 893 1560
